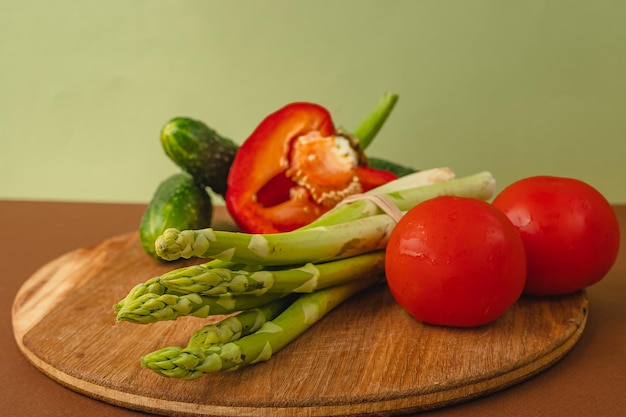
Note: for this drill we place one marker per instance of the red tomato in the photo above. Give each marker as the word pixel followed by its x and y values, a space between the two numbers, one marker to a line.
pixel 455 261
pixel 569 229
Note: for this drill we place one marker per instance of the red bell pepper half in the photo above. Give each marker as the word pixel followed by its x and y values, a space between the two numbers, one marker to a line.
pixel 293 168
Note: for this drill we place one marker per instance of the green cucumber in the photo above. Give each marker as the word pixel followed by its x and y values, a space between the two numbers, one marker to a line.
pixel 178 202
pixel 399 170
pixel 200 151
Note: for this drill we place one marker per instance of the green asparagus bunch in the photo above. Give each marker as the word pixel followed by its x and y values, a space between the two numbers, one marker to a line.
pixel 239 340
pixel 214 289
pixel 273 287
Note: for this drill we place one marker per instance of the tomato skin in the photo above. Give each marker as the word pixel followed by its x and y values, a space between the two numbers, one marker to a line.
pixel 569 229
pixel 455 261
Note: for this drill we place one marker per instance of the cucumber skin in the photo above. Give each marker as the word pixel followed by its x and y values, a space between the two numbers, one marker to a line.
pixel 399 170
pixel 200 151
pixel 177 202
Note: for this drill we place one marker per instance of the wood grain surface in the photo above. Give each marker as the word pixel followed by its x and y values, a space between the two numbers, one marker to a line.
pixel 367 357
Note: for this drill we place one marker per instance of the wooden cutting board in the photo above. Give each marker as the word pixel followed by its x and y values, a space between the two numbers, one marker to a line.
pixel 367 357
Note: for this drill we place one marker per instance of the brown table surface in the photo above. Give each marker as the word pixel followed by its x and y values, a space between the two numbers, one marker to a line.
pixel 589 381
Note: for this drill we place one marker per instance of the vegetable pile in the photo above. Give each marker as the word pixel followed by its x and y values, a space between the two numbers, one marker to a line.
pixel 320 222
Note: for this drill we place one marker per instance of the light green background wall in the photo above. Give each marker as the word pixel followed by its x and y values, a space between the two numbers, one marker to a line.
pixel 515 87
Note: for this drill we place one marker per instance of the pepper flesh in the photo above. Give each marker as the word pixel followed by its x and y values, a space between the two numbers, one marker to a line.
pixel 326 167
pixel 293 168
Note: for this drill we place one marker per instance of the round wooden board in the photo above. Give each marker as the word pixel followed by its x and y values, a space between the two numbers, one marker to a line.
pixel 366 357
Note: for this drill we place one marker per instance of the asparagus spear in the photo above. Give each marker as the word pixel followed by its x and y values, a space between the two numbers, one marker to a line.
pixel 195 360
pixel 152 286
pixel 348 230
pixel 155 286
pixel 235 327
pixel 227 330
pixel 319 244
pixel 151 307
pixel 206 279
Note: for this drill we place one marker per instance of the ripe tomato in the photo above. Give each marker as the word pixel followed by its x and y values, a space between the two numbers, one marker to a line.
pixel 455 261
pixel 569 229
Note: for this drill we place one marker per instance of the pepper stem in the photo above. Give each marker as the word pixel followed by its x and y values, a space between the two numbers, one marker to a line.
pixel 367 131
